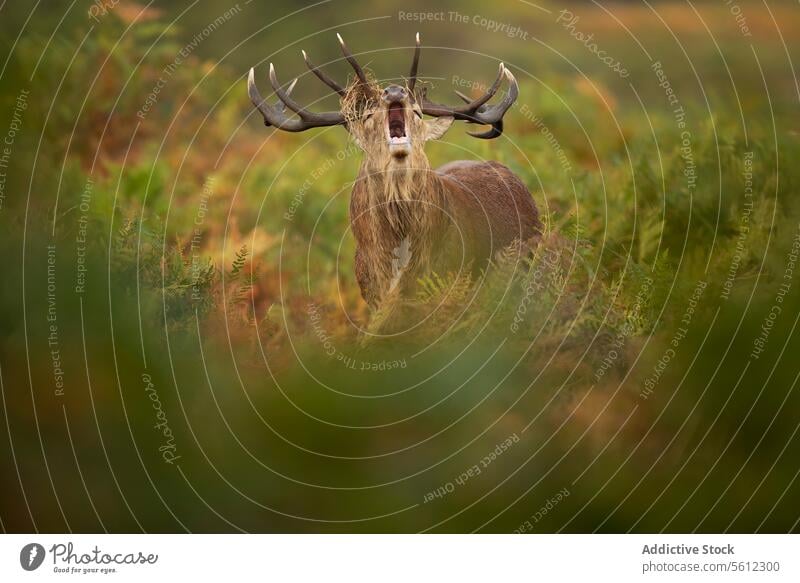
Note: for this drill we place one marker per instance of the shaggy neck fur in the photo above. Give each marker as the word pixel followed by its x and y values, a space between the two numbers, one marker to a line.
pixel 398 211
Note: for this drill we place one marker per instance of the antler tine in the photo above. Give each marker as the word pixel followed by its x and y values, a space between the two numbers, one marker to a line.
pixel 284 95
pixel 475 111
pixel 494 114
pixel 289 90
pixel 494 132
pixel 412 76
pixel 463 97
pixel 256 99
pixel 497 112
pixel 496 129
pixel 474 105
pixel 352 60
pixel 322 76
pixel 275 115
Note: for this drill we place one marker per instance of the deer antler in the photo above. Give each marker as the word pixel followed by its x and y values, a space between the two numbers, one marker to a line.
pixel 476 110
pixel 473 111
pixel 275 115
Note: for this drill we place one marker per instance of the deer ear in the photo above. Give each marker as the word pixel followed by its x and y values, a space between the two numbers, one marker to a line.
pixel 435 128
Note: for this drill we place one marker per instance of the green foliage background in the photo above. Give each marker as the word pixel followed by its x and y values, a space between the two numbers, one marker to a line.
pixel 248 322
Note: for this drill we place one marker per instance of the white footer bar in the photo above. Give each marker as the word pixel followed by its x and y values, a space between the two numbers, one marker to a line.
pixel 401 558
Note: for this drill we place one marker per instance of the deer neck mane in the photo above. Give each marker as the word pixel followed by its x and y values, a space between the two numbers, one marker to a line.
pixel 407 198
pixel 398 214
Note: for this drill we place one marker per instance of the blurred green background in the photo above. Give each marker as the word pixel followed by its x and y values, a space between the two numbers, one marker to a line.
pixel 181 333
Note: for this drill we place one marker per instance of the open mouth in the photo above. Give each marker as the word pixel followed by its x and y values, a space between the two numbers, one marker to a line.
pixel 396 120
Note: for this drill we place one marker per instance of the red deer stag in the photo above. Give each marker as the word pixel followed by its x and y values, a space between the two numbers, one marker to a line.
pixel 408 219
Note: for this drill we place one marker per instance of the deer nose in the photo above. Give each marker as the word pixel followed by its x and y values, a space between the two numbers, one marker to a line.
pixel 394 93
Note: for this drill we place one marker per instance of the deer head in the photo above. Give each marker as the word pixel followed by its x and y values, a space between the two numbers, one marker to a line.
pixel 386 122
